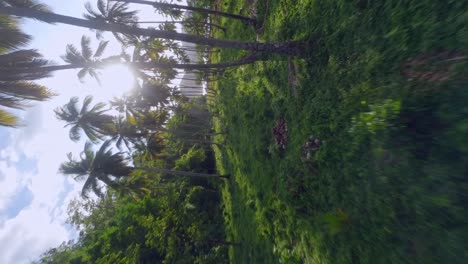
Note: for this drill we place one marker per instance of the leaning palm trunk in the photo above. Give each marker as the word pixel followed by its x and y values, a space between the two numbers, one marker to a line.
pixel 280 48
pixel 166 6
pixel 182 173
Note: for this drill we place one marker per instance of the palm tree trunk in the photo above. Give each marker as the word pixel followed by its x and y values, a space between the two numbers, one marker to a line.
pixel 280 48
pixel 163 6
pixel 146 65
pixel 182 173
pixel 180 22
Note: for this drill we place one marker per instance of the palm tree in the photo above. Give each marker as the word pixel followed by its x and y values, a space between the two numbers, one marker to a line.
pixel 124 105
pixel 280 48
pixel 86 59
pixel 115 13
pixel 23 65
pixel 126 133
pixel 165 7
pixel 92 121
pixel 161 63
pixel 102 166
pixel 16 88
pixel 109 168
pixel 33 4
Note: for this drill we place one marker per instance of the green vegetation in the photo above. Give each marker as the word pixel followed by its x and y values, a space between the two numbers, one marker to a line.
pixel 354 150
pixel 383 87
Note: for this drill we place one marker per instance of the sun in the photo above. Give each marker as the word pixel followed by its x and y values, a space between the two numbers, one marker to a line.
pixel 117 80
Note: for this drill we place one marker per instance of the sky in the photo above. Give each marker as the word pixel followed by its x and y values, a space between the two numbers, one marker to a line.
pixel 34 196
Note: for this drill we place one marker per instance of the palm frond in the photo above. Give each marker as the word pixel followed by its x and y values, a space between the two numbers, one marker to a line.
pixel 98 108
pixel 82 74
pixel 91 13
pixel 25 90
pixel 73 56
pixel 74 133
pixel 19 56
pixel 92 133
pixel 86 50
pixel 101 48
pixel 86 102
pixel 32 4
pixel 102 6
pixel 95 75
pixel 90 185
pixel 13 38
pixel 12 102
pixel 8 119
pixel 72 107
pixel 68 112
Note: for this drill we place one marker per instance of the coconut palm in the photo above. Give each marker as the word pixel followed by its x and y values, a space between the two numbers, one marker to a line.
pixel 125 132
pixel 33 4
pixel 23 65
pixel 124 105
pixel 114 13
pixel 167 8
pixel 85 59
pixel 109 168
pixel 91 120
pixel 281 48
pixel 16 88
pixel 102 166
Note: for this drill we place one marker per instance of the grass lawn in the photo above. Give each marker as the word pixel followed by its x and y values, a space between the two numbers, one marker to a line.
pixel 383 85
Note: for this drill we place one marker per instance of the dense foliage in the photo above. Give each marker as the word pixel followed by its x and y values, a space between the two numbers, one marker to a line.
pixel 383 90
pixel 353 151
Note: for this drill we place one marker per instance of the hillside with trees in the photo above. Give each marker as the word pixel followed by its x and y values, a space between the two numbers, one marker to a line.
pixel 329 131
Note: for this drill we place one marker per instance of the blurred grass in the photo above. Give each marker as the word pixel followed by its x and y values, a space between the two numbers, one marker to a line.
pixel 389 182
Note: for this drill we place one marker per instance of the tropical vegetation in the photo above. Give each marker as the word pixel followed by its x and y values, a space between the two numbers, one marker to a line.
pixel 330 132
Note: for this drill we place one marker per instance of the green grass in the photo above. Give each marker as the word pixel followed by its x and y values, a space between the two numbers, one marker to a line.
pixel 389 183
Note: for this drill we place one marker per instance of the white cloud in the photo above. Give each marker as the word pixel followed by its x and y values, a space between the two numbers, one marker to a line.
pixel 31 232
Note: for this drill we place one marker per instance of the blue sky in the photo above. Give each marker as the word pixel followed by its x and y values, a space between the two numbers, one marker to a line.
pixel 34 197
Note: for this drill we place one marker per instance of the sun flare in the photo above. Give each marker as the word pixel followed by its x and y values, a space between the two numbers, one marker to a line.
pixel 117 80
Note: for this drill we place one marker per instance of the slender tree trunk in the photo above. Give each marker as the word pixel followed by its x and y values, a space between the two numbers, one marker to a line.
pixel 180 22
pixel 182 173
pixel 142 65
pixel 280 48
pixel 166 6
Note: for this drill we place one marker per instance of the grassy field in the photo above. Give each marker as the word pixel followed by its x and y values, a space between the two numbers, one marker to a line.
pixel 383 85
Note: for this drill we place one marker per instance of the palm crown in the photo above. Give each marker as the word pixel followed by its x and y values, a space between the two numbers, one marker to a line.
pixel 94 167
pixel 86 58
pixel 91 120
pixel 116 13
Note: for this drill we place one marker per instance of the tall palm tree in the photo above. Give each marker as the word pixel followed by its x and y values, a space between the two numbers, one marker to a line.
pixel 109 168
pixel 91 120
pixel 281 48
pixel 166 7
